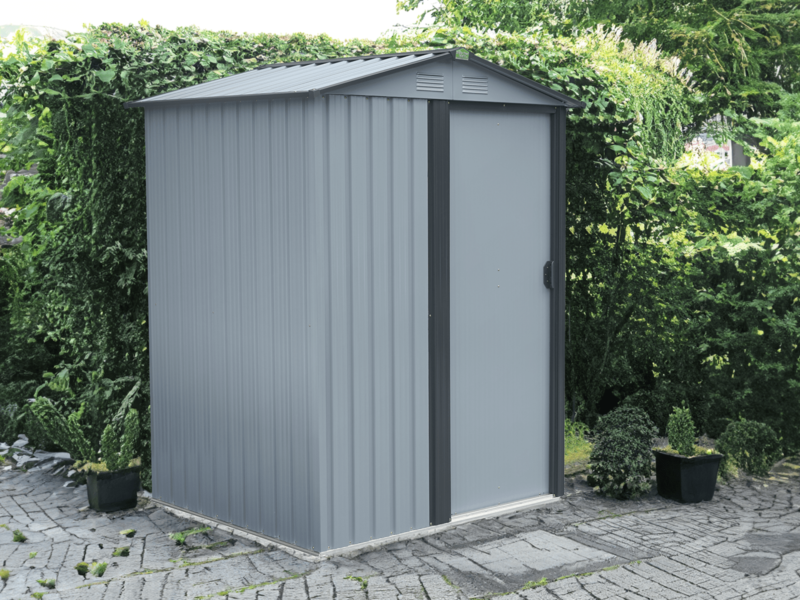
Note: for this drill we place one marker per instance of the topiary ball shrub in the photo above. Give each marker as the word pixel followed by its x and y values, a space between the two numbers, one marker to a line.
pixel 621 456
pixel 680 431
pixel 753 446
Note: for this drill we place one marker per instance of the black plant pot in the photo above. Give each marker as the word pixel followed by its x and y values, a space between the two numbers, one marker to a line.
pixel 687 480
pixel 113 490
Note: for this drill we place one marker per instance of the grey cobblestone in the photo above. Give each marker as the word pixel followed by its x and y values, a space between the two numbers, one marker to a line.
pixel 743 545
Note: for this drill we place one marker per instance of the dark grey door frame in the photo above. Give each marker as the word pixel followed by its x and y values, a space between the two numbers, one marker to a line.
pixel 439 303
pixel 558 253
pixel 439 309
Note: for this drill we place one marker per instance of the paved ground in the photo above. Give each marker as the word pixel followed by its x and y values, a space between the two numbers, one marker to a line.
pixel 744 544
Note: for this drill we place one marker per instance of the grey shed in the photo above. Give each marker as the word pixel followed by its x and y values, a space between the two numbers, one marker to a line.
pixel 356 279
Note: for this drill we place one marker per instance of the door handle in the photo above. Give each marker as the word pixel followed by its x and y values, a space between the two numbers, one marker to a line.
pixel 549 267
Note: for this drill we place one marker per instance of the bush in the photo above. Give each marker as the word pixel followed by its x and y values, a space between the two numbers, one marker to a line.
pixel 680 431
pixel 752 446
pixel 621 457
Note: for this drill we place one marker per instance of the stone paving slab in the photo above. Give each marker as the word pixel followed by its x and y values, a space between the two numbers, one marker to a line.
pixel 744 544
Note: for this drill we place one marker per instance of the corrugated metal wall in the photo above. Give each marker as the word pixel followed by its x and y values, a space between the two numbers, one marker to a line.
pixel 230 260
pixel 287 249
pixel 375 453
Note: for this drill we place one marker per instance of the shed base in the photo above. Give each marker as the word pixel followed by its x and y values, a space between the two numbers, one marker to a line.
pixel 356 549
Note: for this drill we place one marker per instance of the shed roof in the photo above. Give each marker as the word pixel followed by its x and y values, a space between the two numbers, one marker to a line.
pixel 301 79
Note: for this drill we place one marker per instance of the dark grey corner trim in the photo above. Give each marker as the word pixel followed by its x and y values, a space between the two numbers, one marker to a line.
pixel 558 253
pixel 439 309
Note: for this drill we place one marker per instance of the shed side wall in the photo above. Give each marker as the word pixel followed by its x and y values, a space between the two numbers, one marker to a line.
pixel 374 450
pixel 230 259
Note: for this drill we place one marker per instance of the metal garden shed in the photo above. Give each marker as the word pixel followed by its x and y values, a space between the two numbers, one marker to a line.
pixel 356 287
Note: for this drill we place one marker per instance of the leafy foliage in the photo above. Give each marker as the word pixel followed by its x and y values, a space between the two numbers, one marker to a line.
pixel 727 324
pixel 742 52
pixel 681 432
pixel 130 438
pixel 19 536
pixel 66 432
pixel 752 446
pixel 621 456
pixel 109 444
pixel 118 456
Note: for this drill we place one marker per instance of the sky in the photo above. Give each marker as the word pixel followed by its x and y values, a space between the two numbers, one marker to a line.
pixel 344 19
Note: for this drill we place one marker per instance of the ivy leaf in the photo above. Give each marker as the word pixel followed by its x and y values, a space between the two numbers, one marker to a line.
pixel 646 191
pixel 105 76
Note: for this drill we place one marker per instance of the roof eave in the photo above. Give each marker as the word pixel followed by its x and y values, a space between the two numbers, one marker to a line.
pixel 152 101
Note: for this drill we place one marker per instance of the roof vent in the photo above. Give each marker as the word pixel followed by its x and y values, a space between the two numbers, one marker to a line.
pixel 474 85
pixel 430 83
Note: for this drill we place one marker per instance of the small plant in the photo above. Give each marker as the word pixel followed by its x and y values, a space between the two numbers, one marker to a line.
pixel 752 446
pixel 128 533
pixel 38 595
pixel 364 581
pixel 98 568
pixel 82 568
pixel 4 526
pixel 5 574
pixel 32 555
pixel 50 584
pixel 620 459
pixel 680 431
pixel 180 536
pixel 534 584
pixel 19 536
pixel 123 551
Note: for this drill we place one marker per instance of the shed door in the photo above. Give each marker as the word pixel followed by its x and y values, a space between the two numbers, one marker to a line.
pixel 499 306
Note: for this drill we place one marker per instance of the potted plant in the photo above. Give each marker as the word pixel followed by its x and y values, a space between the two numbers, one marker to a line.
pixel 685 472
pixel 113 483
